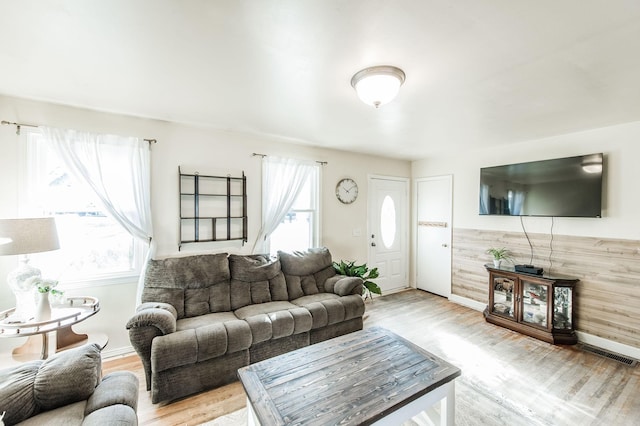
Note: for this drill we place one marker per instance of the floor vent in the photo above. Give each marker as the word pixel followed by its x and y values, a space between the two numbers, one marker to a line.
pixel 630 362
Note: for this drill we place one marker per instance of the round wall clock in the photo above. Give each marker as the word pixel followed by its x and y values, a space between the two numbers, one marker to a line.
pixel 347 191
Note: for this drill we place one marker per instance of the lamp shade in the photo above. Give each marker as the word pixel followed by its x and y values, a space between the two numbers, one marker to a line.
pixel 378 85
pixel 24 236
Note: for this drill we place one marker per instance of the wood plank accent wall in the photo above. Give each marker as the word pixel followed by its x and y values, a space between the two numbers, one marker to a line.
pixel 607 296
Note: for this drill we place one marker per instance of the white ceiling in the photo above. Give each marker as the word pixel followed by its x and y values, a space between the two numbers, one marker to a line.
pixel 479 72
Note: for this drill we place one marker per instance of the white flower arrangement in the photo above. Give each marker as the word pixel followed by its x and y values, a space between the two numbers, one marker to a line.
pixel 46 286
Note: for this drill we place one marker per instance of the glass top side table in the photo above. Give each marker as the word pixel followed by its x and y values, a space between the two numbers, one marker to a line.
pixel 72 311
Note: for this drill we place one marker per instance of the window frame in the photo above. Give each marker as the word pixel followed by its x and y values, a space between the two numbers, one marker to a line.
pixel 31 159
pixel 315 213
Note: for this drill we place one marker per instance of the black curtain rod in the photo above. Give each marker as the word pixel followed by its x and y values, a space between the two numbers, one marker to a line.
pixel 19 125
pixel 255 154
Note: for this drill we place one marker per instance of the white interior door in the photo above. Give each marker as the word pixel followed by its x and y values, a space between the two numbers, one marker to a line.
pixel 388 231
pixel 433 244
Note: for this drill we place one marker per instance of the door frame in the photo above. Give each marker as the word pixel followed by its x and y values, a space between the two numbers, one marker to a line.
pixel 407 219
pixel 414 228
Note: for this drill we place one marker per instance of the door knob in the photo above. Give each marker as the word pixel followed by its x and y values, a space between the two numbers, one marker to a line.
pixel 445 245
pixel 373 244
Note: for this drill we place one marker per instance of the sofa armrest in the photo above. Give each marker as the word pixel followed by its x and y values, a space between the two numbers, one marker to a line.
pixel 348 285
pixel 163 316
pixel 118 414
pixel 119 387
pixel 149 321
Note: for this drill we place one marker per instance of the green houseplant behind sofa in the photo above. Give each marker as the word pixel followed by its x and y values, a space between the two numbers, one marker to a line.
pixel 205 316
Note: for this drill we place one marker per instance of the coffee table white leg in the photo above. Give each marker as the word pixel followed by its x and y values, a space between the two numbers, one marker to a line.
pixel 448 405
pixel 252 419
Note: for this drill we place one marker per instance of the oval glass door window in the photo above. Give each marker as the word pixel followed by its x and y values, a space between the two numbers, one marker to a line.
pixel 388 221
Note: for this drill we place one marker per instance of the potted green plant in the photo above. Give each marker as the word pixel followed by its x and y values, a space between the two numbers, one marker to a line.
pixel 500 254
pixel 350 269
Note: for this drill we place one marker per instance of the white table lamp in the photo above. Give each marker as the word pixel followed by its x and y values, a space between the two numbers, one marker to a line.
pixel 21 237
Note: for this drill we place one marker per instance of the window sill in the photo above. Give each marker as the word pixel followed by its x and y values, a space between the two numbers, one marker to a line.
pixel 99 282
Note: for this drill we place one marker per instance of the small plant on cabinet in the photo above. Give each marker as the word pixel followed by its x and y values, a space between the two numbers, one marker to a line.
pixel 500 254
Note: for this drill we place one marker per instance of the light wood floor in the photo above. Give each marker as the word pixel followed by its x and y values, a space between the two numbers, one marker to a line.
pixel 507 378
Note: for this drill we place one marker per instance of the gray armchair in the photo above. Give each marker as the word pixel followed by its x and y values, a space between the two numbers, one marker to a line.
pixel 68 388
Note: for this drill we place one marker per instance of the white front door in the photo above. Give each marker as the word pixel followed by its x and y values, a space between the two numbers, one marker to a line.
pixel 433 244
pixel 388 231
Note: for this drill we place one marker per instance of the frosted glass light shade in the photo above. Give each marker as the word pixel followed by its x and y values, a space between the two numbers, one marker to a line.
pixel 378 85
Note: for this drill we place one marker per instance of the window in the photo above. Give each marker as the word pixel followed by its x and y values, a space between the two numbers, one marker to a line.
pixel 93 245
pixel 299 228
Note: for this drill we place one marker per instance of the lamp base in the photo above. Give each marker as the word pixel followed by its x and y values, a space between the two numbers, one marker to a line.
pixel 21 281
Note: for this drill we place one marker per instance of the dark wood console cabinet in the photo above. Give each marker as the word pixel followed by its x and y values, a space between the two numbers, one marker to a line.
pixel 539 306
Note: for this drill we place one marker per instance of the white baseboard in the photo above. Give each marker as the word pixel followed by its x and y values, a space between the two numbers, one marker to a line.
pixel 117 352
pixel 469 303
pixel 610 345
pixel 589 339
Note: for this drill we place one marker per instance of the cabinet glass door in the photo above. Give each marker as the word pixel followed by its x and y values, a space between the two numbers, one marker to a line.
pixel 562 309
pixel 503 296
pixel 535 300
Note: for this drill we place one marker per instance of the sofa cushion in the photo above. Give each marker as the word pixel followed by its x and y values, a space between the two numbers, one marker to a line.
pixel 171 296
pixel 71 414
pixel 200 338
pixel 274 320
pixel 220 297
pixel 294 286
pixel 308 284
pixel 263 308
pixel 306 271
pixel 322 276
pixel 204 320
pixel 306 262
pixel 328 308
pixel 278 288
pixel 174 350
pixel 172 280
pixel 68 377
pixel 16 392
pixel 196 301
pixel 253 278
pixel 254 267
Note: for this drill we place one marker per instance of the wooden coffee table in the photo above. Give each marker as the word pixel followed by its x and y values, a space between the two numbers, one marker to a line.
pixel 371 376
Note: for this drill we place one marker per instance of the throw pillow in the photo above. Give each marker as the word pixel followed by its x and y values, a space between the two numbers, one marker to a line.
pixel 68 377
pixel 16 392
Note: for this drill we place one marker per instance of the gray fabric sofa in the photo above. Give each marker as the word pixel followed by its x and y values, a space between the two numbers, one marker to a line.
pixel 68 389
pixel 204 316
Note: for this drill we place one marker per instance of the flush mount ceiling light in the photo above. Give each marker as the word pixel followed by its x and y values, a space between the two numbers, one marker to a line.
pixel 378 85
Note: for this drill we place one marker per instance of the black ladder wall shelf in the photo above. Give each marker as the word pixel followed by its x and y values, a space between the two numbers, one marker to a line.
pixel 212 208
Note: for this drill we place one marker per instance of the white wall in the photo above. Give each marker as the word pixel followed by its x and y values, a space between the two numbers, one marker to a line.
pixel 621 146
pixel 206 150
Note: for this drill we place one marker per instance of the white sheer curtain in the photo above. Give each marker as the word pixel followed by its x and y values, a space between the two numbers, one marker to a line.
pixel 517 203
pixel 118 169
pixel 484 198
pixel 282 180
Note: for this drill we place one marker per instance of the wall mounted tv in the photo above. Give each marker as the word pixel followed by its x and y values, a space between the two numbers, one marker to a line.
pixel 562 187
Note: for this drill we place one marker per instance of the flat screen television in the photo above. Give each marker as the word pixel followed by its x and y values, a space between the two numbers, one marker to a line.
pixel 562 187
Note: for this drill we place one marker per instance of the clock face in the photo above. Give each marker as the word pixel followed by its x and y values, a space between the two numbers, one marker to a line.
pixel 347 191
